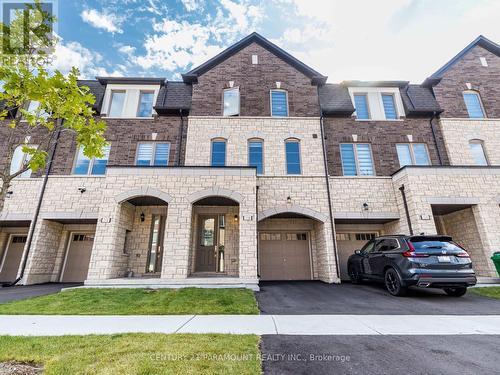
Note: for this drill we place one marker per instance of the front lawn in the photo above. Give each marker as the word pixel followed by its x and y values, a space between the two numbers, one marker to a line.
pixel 490 291
pixel 137 302
pixel 136 354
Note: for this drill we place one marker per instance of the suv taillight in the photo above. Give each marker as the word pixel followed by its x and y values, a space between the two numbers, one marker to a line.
pixel 463 254
pixel 411 253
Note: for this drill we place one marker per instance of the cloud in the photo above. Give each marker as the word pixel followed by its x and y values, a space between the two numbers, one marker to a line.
pixel 191 5
pixel 106 21
pixel 127 50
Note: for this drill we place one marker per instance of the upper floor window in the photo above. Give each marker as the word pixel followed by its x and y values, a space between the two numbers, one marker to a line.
pixel 361 106
pixel 412 154
pixel 145 104
pixel 117 103
pixel 94 166
pixel 477 149
pixel 256 155
pixel 279 103
pixel 153 153
pixel 473 104
pixel 33 108
pixel 357 159
pixel 218 158
pixel 19 160
pixel 389 107
pixel 231 102
pixel 292 150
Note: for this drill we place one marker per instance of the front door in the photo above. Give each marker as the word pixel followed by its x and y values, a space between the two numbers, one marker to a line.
pixel 12 258
pixel 155 252
pixel 206 250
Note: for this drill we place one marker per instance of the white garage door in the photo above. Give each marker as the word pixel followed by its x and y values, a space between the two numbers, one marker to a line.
pixel 347 244
pixel 77 262
pixel 12 258
pixel 284 256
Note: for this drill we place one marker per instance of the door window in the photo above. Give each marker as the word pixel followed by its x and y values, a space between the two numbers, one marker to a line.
pixel 387 245
pixel 368 248
pixel 207 232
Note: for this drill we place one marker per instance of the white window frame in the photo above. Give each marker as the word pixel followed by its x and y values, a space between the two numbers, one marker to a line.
pixel 271 102
pixel 131 101
pixel 91 164
pixel 294 140
pixel 375 103
pixel 111 101
pixel 212 150
pixel 356 160
pixel 475 92
pixel 139 102
pixel 154 143
pixel 412 152
pixel 365 94
pixel 239 101
pixel 27 173
pixel 480 142
pixel 393 101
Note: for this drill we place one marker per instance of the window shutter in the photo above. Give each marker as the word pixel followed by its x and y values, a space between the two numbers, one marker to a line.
pixel 162 153
pixel 348 159
pixel 144 154
pixel 365 160
pixel 389 107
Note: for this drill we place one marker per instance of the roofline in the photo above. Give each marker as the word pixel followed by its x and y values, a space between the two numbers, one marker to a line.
pixel 481 40
pixel 316 77
pixel 356 83
pixel 131 80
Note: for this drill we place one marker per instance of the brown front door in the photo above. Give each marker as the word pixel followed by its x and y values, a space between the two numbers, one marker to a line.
pixel 155 252
pixel 206 249
pixel 12 258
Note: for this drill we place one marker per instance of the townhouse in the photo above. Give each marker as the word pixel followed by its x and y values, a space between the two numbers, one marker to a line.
pixel 253 167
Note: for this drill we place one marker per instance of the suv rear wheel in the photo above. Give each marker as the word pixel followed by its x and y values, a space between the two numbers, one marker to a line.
pixel 354 274
pixel 456 292
pixel 393 283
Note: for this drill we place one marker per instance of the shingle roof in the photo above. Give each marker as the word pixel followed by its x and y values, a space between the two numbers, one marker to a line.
pixel 174 96
pixel 355 83
pixel 97 89
pixel 335 99
pixel 418 99
pixel 316 77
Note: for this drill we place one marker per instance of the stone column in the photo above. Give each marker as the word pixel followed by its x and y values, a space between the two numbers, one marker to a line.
pixel 487 217
pixel 248 238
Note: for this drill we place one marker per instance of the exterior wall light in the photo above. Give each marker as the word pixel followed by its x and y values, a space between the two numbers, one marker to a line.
pixel 236 218
pixel 365 206
pixel 289 200
pixel 143 217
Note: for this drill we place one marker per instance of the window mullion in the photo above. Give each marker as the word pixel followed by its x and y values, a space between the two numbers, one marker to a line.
pixel 356 161
pixel 153 154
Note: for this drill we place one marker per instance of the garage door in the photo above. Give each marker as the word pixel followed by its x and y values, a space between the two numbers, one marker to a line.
pixel 347 244
pixel 12 258
pixel 77 262
pixel 284 256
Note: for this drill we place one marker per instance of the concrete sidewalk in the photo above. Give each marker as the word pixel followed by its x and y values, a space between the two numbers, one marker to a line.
pixel 58 325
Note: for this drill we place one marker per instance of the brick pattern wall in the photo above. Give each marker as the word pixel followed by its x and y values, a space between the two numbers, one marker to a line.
pixel 254 81
pixel 469 70
pixel 383 136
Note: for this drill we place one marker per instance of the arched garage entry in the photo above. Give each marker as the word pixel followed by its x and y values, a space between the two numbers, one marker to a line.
pixel 292 243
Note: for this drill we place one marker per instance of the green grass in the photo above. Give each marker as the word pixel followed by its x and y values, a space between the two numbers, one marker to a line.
pixel 137 302
pixel 136 354
pixel 491 291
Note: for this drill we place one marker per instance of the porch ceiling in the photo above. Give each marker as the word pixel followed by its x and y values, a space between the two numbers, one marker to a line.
pixel 216 201
pixel 444 209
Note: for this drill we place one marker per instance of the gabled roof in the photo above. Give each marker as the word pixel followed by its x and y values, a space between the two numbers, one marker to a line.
pixel 316 77
pixel 479 41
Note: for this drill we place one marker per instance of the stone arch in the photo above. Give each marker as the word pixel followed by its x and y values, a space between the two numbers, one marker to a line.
pixel 292 209
pixel 141 192
pixel 215 192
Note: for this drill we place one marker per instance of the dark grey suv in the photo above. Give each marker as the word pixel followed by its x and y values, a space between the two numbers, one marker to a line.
pixel 424 261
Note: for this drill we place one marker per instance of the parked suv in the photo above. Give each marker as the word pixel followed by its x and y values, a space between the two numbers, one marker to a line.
pixel 402 261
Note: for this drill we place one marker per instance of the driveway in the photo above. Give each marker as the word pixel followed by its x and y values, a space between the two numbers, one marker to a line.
pixel 315 297
pixel 464 354
pixel 15 293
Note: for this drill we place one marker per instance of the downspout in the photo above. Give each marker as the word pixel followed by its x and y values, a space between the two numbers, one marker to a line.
pixel 181 133
pixel 407 211
pixel 328 193
pixel 257 223
pixel 31 231
pixel 434 115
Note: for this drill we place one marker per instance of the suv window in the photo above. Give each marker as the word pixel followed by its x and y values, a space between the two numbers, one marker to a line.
pixel 387 244
pixel 368 248
pixel 445 245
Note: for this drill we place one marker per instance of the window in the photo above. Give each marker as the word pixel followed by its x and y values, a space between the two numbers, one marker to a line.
pixel 292 148
pixel 146 104
pixel 478 154
pixel 389 107
pixel 117 103
pixel 387 245
pixel 153 154
pixel 368 248
pixel 94 166
pixel 19 160
pixel 279 103
pixel 255 154
pixel 231 100
pixel 357 159
pixel 413 154
pixel 361 106
pixel 33 108
pixel 473 104
pixel 218 153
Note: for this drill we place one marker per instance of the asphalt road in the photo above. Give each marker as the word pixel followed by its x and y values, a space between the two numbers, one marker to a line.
pixel 314 297
pixel 464 354
pixel 15 293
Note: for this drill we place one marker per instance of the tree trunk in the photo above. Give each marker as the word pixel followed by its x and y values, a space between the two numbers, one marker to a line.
pixel 3 194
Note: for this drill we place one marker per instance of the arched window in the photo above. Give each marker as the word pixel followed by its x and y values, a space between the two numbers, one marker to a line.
pixel 292 150
pixel 473 103
pixel 476 147
pixel 256 154
pixel 218 153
